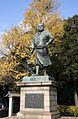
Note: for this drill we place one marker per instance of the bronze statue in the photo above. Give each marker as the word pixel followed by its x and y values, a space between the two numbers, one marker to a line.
pixel 40 44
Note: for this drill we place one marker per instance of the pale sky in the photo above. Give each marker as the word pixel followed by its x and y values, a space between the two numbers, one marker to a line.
pixel 12 11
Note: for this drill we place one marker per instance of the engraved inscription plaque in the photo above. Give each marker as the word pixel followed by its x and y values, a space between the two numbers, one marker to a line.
pixel 34 100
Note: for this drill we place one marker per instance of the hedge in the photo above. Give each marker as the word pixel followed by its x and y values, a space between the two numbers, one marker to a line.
pixel 68 110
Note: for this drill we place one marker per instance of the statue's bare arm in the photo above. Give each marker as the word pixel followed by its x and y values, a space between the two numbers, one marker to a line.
pixel 51 39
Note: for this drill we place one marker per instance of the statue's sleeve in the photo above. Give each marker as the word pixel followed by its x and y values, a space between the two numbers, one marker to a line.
pixel 50 37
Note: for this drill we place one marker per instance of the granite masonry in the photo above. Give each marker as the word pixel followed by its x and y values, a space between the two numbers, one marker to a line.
pixel 38 99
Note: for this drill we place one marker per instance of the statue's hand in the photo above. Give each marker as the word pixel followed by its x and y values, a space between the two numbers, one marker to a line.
pixel 50 42
pixel 32 51
pixel 46 44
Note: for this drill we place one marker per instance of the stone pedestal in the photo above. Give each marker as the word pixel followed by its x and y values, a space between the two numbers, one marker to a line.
pixel 38 99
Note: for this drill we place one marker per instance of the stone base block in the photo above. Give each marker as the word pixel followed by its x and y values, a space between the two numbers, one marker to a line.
pixel 38 99
pixel 38 115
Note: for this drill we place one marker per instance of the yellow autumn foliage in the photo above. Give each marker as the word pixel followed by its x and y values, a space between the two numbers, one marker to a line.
pixel 44 11
pixel 18 40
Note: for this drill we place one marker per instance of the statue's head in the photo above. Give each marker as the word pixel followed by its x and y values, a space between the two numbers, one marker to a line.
pixel 40 27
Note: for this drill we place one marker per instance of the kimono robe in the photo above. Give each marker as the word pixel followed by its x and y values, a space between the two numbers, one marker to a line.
pixel 40 44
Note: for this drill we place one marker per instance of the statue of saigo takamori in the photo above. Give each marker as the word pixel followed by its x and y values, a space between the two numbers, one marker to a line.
pixel 40 44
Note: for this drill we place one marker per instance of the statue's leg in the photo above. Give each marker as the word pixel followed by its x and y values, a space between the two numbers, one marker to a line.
pixel 44 69
pixel 28 73
pixel 37 69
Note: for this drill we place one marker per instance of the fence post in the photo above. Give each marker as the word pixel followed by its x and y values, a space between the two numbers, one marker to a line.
pixel 10 106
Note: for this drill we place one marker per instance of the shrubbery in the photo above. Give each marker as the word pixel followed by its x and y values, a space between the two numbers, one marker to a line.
pixel 68 110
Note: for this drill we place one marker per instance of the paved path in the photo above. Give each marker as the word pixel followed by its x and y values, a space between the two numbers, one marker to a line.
pixel 14 117
pixel 65 117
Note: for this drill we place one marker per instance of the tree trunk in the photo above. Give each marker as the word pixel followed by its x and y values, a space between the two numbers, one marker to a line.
pixel 75 94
